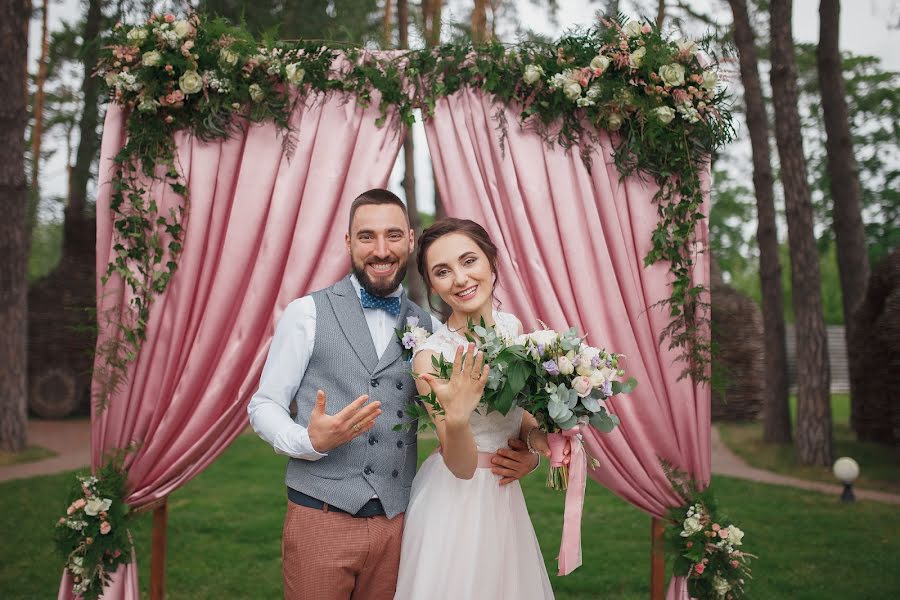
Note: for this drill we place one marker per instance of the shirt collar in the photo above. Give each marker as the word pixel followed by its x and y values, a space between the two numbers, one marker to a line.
pixel 356 286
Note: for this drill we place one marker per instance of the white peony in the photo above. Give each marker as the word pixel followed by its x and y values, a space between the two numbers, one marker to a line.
pixel 633 28
pixel 182 28
pixel 600 62
pixel 709 80
pixel 190 82
pixel 735 535
pixel 665 114
pixel 691 526
pixel 672 74
pixel 137 35
pixel 565 365
pixel 637 58
pixel 151 59
pixel 295 74
pixel 533 74
pixel 572 90
pixel 95 506
pixel 687 46
pixel 256 93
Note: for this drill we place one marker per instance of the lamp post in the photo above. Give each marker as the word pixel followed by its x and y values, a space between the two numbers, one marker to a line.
pixel 846 470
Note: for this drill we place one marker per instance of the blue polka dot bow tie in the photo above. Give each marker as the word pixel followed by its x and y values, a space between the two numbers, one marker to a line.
pixel 391 305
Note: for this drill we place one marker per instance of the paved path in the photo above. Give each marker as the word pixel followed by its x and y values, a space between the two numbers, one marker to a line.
pixel 71 440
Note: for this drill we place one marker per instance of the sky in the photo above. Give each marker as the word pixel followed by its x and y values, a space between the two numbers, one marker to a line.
pixel 864 30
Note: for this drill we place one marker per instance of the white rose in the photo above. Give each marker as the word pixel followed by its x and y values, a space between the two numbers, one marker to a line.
pixel 582 386
pixel 190 82
pixel 565 365
pixel 148 105
pixel 572 90
pixel 544 337
pixel 686 46
pixel 151 59
pixel 110 78
pixel 709 80
pixel 597 378
pixel 257 93
pixel 600 62
pixel 633 29
pixel 138 35
pixel 735 535
pixel 614 122
pixel 665 114
pixel 691 526
pixel 295 74
pixel 182 28
pixel 533 74
pixel 95 506
pixel 228 57
pixel 637 57
pixel 672 74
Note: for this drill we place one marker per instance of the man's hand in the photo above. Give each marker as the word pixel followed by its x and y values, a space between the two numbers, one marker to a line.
pixel 328 432
pixel 514 462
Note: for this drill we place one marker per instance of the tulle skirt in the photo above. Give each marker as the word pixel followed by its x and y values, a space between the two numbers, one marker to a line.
pixel 468 539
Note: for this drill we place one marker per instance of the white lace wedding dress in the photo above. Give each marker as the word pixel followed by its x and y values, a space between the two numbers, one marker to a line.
pixel 470 539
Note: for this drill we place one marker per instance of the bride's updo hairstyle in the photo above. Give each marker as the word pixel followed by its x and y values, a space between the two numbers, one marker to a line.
pixel 446 226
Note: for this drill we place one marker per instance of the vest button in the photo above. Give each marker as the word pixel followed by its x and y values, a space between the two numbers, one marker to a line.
pixel 395 473
pixel 368 470
pixel 399 414
pixel 399 385
pixel 374 383
pixel 372 441
pixel 399 443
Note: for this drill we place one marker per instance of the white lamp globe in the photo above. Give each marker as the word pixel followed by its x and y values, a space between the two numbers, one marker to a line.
pixel 846 469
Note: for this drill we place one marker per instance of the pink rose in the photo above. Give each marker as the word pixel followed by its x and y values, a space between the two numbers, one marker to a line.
pixel 734 564
pixel 79 503
pixel 105 527
pixel 699 567
pixel 623 45
pixel 681 97
pixel 646 28
pixel 62 520
pixel 582 386
pixel 716 527
pixel 723 533
pixel 170 18
pixel 689 544
pixel 117 553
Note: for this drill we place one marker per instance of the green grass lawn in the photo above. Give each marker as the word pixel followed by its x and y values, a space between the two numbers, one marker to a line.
pixel 878 464
pixel 225 533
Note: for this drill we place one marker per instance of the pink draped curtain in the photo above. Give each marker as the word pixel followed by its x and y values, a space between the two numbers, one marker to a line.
pixel 572 243
pixel 264 228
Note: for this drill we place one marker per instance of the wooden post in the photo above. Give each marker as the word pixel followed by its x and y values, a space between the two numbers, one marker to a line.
pixel 158 552
pixel 657 560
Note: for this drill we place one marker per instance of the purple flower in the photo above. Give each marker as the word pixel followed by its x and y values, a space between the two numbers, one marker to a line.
pixel 540 350
pixel 409 340
pixel 551 367
pixel 609 361
pixel 607 388
pixel 595 361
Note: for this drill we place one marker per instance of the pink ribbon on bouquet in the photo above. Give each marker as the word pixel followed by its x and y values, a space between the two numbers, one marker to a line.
pixel 569 557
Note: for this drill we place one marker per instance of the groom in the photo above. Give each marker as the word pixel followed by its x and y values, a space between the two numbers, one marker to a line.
pixel 349 475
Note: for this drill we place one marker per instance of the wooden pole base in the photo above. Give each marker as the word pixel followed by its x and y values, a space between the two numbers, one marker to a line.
pixel 657 560
pixel 158 552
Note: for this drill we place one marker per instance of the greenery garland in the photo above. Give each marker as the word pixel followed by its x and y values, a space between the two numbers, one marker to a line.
pixel 659 97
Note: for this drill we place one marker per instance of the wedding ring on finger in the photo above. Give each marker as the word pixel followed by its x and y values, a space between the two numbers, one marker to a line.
pixel 356 427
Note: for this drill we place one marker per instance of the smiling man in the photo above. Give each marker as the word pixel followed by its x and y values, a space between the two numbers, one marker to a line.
pixel 336 355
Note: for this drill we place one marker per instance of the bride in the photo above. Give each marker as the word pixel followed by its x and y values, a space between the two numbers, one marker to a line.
pixel 466 536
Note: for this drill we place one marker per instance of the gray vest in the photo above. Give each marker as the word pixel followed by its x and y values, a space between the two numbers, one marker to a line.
pixel 344 365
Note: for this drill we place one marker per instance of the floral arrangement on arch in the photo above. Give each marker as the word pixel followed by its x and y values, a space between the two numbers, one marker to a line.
pixel 705 546
pixel 91 536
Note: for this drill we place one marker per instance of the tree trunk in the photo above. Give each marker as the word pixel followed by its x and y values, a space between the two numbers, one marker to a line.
pixel 38 130
pixel 813 435
pixel 479 22
pixel 13 286
pixel 843 179
pixel 660 13
pixel 776 413
pixel 431 22
pixel 388 25
pixel 88 144
pixel 417 290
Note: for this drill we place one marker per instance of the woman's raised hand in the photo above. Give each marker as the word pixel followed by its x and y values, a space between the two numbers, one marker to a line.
pixel 460 394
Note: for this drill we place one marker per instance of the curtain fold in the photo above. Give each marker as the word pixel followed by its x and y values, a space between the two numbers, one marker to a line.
pixel 263 229
pixel 572 243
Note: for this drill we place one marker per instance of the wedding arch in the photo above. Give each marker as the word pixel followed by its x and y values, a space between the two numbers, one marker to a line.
pixel 226 171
